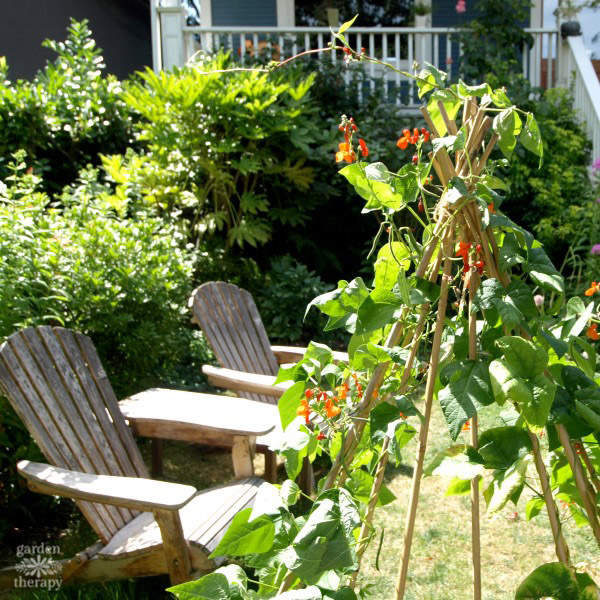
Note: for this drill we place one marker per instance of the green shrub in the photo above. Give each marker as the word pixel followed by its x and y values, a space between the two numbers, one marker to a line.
pixel 288 288
pixel 552 201
pixel 67 114
pixel 122 281
pixel 226 152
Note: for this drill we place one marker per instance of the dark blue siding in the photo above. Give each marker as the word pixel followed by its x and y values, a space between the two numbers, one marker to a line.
pixel 261 13
pixel 444 15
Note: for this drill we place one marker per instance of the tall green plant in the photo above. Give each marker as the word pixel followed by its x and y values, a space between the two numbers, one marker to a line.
pixel 67 114
pixel 226 152
pixel 464 292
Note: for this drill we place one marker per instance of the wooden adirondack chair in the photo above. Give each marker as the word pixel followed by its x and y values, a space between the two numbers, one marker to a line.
pixel 230 320
pixel 55 381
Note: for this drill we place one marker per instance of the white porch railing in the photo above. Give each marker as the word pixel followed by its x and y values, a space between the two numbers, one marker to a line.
pixel 577 70
pixel 400 47
pixel 550 61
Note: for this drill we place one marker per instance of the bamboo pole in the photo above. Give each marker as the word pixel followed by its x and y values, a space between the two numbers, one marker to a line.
pixel 365 530
pixel 355 430
pixel 583 485
pixel 423 433
pixel 560 544
pixel 475 525
pixel 588 464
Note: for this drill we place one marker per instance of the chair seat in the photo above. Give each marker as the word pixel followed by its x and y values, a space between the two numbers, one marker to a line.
pixel 204 520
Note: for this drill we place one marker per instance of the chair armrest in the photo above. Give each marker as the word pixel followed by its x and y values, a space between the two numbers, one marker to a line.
pixel 127 492
pixel 290 354
pixel 247 382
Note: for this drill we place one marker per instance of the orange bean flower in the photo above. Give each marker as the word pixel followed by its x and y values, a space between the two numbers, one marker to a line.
pixel 592 332
pixel 403 142
pixel 363 148
pixel 345 153
pixel 331 409
pixel 304 410
pixel 412 138
pixel 595 287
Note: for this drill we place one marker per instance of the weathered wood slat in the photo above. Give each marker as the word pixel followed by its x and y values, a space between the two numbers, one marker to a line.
pixel 261 334
pixel 112 404
pixel 177 410
pixel 56 383
pixel 230 320
pixel 53 447
pixel 204 315
pixel 241 381
pixel 135 492
pixel 292 354
pixel 231 326
pixel 46 416
pixel 237 303
pixel 122 463
pixel 210 536
pixel 83 421
pixel 196 516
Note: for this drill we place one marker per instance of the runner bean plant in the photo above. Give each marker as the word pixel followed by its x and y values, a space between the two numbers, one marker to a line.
pixel 470 313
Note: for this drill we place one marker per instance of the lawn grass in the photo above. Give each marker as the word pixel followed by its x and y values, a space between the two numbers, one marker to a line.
pixel 440 566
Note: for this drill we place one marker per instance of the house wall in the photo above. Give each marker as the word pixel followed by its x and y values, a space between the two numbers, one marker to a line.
pixel 444 15
pixel 244 12
pixel 120 27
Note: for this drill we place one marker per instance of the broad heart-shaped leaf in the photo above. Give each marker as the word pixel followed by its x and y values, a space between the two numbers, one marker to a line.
pixel 460 461
pixel 543 272
pixel 390 259
pixel 468 391
pixel 523 356
pixel 512 303
pixel 246 537
pixel 504 484
pixel 374 314
pixel 429 78
pixel 533 395
pixel 479 91
pixel 290 492
pixel 507 124
pixel 510 253
pixel 552 580
pixel 501 447
pixel 534 507
pixel 406 183
pixel 360 486
pixel 289 403
pixel 213 586
pixel 531 138
pixel 326 540
pixel 451 103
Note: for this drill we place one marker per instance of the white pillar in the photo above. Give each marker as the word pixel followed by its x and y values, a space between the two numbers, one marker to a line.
pixel 206 13
pixel 172 20
pixel 286 13
pixel 155 35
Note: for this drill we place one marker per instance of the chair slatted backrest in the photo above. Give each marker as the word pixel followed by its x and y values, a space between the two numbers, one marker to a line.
pixel 229 318
pixel 55 381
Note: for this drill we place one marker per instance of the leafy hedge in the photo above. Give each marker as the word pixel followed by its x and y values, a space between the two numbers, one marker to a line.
pixel 124 281
pixel 67 114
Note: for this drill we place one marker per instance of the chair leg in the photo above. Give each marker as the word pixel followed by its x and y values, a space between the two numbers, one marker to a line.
pixel 177 554
pixel 270 466
pixel 241 454
pixel 157 458
pixel 307 478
